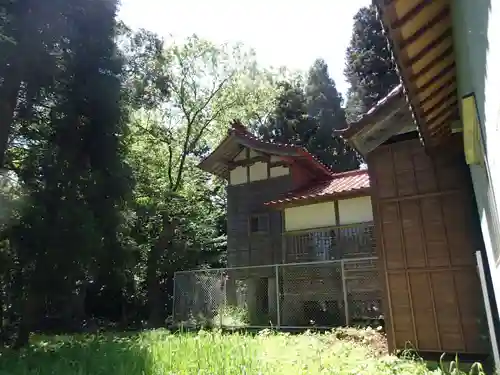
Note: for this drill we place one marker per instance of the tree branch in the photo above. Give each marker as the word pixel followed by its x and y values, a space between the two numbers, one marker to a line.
pixel 170 166
pixel 187 144
pixel 206 124
pixel 214 92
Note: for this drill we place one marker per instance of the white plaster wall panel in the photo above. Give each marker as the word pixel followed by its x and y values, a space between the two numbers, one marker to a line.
pixel 254 153
pixel 279 171
pixel 238 176
pixel 355 210
pixel 258 171
pixel 311 216
pixel 242 155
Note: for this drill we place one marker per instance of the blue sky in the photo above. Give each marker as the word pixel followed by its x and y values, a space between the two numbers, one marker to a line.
pixel 291 33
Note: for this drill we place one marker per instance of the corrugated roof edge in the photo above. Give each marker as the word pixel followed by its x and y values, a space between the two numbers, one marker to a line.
pixel 301 194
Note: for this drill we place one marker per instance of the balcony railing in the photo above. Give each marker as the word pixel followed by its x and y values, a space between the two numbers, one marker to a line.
pixel 342 242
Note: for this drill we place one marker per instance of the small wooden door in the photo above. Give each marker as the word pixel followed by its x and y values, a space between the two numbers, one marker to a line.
pixel 427 233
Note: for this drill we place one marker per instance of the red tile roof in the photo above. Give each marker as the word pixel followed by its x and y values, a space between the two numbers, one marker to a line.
pixel 238 135
pixel 341 183
pixel 237 126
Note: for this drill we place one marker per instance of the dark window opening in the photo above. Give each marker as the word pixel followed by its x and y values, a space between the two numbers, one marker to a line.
pixel 259 223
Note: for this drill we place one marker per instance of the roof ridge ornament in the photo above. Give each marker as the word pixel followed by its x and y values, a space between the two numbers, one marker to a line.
pixel 238 126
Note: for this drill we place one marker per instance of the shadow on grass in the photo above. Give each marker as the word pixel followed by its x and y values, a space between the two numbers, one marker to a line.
pixel 91 354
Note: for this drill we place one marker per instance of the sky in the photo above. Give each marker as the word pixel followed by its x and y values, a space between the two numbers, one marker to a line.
pixel 292 33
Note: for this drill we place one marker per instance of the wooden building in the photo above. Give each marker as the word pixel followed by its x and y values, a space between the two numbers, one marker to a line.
pixel 432 151
pixel 286 208
pixel 427 232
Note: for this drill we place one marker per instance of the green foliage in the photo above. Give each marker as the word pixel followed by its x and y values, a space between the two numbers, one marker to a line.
pixel 67 155
pixel 307 115
pixel 103 148
pixel 324 107
pixel 103 128
pixel 369 67
pixel 206 352
pixel 179 212
pixel 231 316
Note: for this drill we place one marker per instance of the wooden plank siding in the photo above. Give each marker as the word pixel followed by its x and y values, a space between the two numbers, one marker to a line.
pixel 243 201
pixel 427 232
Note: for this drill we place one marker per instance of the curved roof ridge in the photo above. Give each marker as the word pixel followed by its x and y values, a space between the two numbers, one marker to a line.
pixel 242 130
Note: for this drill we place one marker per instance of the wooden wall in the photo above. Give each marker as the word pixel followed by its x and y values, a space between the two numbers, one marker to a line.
pixel 427 232
pixel 244 200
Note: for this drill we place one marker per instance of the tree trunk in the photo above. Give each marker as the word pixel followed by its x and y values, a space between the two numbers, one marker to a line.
pixel 154 288
pixel 28 316
pixel 8 99
pixel 3 336
pixel 155 300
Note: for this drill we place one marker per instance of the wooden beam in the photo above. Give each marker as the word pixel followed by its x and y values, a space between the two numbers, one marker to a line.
pixel 246 162
pixel 433 94
pixel 279 164
pixel 420 196
pixel 247 156
pixel 440 103
pixel 337 212
pixel 439 58
pixel 437 77
pixel 381 253
pixel 432 122
pixel 429 47
pixel 447 107
pixel 402 58
pixel 411 14
pixel 444 13
pixel 441 126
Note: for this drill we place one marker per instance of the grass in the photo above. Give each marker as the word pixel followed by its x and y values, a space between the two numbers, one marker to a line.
pixel 210 352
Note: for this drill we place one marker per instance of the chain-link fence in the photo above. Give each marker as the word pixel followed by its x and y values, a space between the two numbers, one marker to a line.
pixel 320 294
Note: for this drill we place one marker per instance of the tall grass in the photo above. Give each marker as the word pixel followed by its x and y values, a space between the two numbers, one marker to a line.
pixel 204 353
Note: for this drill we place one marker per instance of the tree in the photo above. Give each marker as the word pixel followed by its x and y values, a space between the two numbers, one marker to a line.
pixel 307 116
pixel 208 85
pixel 75 176
pixel 289 123
pixel 172 230
pixel 28 56
pixel 369 69
pixel 324 106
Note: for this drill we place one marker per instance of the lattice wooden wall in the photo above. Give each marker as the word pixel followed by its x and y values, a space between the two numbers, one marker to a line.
pixel 427 232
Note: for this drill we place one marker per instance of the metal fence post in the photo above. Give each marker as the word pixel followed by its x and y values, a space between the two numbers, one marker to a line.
pixel 278 304
pixel 222 306
pixel 344 288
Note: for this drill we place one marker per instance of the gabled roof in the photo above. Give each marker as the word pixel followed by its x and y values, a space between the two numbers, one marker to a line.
pixel 388 117
pixel 352 183
pixel 239 137
pixel 394 95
